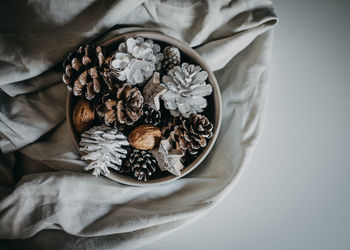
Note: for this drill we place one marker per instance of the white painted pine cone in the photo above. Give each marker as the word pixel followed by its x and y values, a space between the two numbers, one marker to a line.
pixel 136 60
pixel 187 88
pixel 103 146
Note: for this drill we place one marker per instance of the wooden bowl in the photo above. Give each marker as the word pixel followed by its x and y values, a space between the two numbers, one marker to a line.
pixel 213 111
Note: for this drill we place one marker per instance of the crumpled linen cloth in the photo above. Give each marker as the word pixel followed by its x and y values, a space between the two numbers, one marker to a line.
pixel 46 200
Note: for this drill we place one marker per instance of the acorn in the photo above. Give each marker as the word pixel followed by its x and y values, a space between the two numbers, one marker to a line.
pixel 83 115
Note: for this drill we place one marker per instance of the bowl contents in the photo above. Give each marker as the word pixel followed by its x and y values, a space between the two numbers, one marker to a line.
pixel 140 108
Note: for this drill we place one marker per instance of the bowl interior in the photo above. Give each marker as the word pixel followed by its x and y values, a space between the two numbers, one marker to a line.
pixel 213 110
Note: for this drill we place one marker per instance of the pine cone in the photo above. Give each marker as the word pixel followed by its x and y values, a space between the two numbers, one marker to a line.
pixel 82 71
pixel 190 134
pixel 187 86
pixel 151 116
pixel 110 76
pixel 136 60
pixel 166 131
pixel 104 148
pixel 142 164
pixel 124 108
pixel 171 59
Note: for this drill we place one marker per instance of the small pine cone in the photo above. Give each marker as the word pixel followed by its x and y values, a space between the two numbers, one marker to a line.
pixel 172 58
pixel 110 76
pixel 190 134
pixel 151 116
pixel 166 131
pixel 121 109
pixel 142 164
pixel 82 71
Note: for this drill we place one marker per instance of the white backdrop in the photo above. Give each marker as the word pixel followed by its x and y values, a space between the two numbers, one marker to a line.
pixel 294 194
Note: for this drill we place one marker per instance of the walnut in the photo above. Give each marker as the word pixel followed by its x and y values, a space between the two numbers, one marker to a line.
pixel 83 115
pixel 145 137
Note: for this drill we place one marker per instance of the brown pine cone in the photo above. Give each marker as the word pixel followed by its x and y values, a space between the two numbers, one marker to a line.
pixel 190 134
pixel 124 108
pixel 151 116
pixel 82 71
pixel 106 109
pixel 166 131
pixel 172 58
pixel 110 76
pixel 142 164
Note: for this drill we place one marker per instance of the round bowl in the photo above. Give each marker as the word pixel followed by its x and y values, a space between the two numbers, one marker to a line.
pixel 213 110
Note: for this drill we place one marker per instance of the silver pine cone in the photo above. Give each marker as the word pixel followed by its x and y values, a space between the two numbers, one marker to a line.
pixel 186 89
pixel 102 147
pixel 136 60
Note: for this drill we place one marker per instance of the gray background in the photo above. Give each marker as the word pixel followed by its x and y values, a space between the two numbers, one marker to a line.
pixel 295 192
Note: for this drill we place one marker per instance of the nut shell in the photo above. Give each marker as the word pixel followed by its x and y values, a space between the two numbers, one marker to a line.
pixel 83 115
pixel 145 137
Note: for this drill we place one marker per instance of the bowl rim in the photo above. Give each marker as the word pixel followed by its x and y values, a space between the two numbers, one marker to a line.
pixel 195 57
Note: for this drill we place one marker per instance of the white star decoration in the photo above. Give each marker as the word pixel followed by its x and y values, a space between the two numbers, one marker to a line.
pixel 169 158
pixel 153 91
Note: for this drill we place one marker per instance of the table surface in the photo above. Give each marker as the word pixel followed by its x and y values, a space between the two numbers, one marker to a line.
pixel 294 193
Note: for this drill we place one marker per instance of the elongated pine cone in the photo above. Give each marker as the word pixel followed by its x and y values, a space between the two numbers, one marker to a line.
pixel 171 59
pixel 142 164
pixel 83 71
pixel 104 147
pixel 124 108
pixel 189 134
pixel 151 116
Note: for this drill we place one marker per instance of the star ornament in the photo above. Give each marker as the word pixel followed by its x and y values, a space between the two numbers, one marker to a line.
pixel 153 90
pixel 169 158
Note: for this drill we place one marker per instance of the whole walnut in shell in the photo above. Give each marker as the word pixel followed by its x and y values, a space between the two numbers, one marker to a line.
pixel 83 115
pixel 145 137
